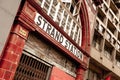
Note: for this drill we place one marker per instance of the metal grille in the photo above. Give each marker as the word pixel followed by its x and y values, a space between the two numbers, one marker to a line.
pixel 31 69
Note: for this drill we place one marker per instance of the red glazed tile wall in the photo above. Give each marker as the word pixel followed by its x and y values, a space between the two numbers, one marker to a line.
pixel 12 53
pixel 58 74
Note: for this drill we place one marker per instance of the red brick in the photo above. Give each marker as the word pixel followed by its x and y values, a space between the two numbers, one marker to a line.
pixel 30 11
pixel 13 38
pixel 19 50
pixel 85 59
pixel 10 56
pixel 20 42
pixel 1 73
pixel 16 28
pixel 13 67
pixel 6 55
pixel 12 76
pixel 7 75
pixel 5 64
pixel 11 47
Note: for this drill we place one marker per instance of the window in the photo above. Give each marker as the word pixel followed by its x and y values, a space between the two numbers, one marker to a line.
pixel 97 41
pixel 108 50
pixel 108 36
pixel 118 59
pixel 101 15
pixel 118 62
pixel 110 15
pixel 118 36
pixel 111 27
pixel 105 8
pixel 114 8
pixel 74 7
pixel 66 13
pixel 93 75
pixel 118 46
pixel 101 29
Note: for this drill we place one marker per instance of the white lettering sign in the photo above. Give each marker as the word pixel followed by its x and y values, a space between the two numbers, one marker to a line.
pixel 54 33
pixel 67 1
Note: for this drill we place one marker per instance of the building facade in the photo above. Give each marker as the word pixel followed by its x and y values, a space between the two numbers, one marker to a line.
pixel 48 40
pixel 105 37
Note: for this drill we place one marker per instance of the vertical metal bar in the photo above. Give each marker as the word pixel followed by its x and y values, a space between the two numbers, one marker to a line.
pixel 70 28
pixel 43 3
pixel 80 36
pixel 50 7
pixel 66 23
pixel 57 10
pixel 77 36
pixel 60 24
pixel 74 31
